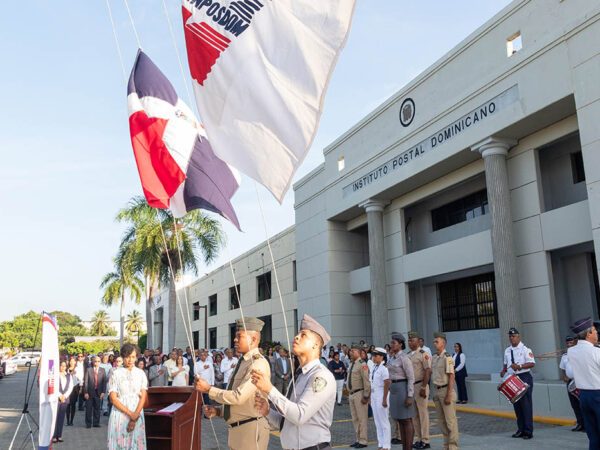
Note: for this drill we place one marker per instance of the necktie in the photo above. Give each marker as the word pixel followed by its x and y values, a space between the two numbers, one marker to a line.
pixel 512 356
pixel 350 377
pixel 226 408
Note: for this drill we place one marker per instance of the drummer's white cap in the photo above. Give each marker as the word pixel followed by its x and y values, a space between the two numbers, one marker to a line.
pixel 379 351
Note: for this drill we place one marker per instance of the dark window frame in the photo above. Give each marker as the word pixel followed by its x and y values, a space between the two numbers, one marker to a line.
pixel 212 337
pixel 196 309
pixel 460 210
pixel 263 292
pixel 294 276
pixel 468 303
pixel 233 297
pixel 577 167
pixel 213 300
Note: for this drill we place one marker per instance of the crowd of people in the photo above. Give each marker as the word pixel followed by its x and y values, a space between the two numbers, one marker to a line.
pixel 391 383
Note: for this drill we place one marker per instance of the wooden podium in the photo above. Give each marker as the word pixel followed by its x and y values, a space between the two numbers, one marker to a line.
pixel 176 430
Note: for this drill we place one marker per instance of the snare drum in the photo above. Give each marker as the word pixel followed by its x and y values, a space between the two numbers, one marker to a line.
pixel 573 389
pixel 513 388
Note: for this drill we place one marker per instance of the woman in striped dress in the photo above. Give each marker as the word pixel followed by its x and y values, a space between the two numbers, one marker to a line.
pixel 127 389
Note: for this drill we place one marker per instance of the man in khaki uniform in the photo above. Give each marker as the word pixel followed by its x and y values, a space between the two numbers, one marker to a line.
pixel 422 367
pixel 359 390
pixel 248 430
pixel 444 396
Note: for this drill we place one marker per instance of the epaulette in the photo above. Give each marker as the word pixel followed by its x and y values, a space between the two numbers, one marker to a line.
pixel 422 351
pixel 257 356
pixel 447 355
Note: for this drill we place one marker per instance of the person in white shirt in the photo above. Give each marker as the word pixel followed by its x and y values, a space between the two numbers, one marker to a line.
pixel 584 359
pixel 519 360
pixel 380 396
pixel 171 366
pixel 424 347
pixel 181 374
pixel 205 370
pixel 567 376
pixel 365 357
pixel 228 365
pixel 460 372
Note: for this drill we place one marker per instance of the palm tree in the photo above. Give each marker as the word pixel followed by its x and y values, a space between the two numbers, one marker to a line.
pixel 134 322
pixel 196 234
pixel 117 284
pixel 100 323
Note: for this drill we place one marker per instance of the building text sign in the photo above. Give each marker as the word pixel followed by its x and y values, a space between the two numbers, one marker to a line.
pixel 470 120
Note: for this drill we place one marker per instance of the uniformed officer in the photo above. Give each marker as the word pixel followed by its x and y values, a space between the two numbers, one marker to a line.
pixel 359 392
pixel 519 360
pixel 421 361
pixel 585 362
pixel 305 417
pixel 380 389
pixel 402 376
pixel 444 397
pixel 567 376
pixel 247 428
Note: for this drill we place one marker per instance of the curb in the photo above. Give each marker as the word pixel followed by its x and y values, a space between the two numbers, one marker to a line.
pixel 548 420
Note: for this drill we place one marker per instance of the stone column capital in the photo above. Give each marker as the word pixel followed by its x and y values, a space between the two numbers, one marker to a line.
pixel 374 205
pixel 494 146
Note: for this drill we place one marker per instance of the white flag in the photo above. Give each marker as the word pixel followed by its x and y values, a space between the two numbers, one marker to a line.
pixel 260 70
pixel 49 365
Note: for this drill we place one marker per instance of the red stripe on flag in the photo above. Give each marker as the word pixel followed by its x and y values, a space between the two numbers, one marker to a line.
pixel 214 32
pixel 201 55
pixel 160 174
pixel 202 34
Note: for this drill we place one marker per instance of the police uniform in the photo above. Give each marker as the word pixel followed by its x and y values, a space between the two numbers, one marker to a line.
pixel 381 414
pixel 524 407
pixel 305 416
pixel 359 389
pixel 247 429
pixel 442 366
pixel 421 361
pixel 585 362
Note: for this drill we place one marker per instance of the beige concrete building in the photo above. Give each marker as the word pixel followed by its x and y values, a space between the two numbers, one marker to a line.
pixel 215 295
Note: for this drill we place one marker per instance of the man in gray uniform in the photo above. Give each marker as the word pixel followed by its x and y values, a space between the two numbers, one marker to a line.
pixel 305 417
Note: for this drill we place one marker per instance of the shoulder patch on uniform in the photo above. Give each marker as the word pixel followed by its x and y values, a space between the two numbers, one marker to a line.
pixel 365 367
pixel 426 356
pixel 531 354
pixel 319 383
pixel 257 356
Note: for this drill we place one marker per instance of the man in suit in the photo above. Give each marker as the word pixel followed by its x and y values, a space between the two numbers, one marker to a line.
pixel 94 386
pixel 283 371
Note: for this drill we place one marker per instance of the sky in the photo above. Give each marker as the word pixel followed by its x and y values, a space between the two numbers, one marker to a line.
pixel 66 161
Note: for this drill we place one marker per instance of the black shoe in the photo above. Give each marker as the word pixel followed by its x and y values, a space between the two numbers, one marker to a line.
pixel 97 426
pixel 396 441
pixel 518 434
pixel 354 445
pixel 88 426
pixel 105 413
pixel 361 446
pixel 578 427
pixel 527 436
pixel 425 445
pixel 418 445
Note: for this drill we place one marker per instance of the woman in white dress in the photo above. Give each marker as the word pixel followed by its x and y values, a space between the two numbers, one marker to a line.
pixel 127 389
pixel 181 376
pixel 380 396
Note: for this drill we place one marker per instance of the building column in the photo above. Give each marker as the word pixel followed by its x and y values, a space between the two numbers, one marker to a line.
pixel 379 305
pixel 494 152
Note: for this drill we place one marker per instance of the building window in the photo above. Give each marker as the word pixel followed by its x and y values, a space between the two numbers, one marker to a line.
pixel 196 309
pixel 469 303
pixel 212 337
pixel 461 210
pixel 514 44
pixel 235 297
pixel 232 332
pixel 212 305
pixel 263 283
pixel 294 279
pixel 196 339
pixel 266 335
pixel 341 163
pixel 577 167
pixel 296 324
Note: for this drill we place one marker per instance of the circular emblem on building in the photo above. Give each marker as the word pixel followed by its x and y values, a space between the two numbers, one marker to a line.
pixel 407 112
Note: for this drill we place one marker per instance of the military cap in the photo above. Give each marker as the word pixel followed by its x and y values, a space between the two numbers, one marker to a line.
pixel 569 338
pixel 513 331
pixel 413 334
pixel 396 336
pixel 582 325
pixel 308 323
pixel 356 345
pixel 438 334
pixel 379 351
pixel 249 324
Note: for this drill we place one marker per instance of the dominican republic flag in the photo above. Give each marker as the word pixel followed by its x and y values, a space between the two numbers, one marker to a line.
pixel 260 70
pixel 177 166
pixel 49 367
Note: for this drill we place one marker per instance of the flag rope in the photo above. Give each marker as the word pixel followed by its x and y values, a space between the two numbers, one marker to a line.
pixel 114 30
pixel 137 37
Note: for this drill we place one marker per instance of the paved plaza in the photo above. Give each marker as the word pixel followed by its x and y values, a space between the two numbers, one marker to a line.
pixel 477 431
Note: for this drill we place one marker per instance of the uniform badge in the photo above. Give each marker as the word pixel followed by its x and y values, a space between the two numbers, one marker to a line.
pixel 450 361
pixel 426 357
pixel 319 384
pixel 257 356
pixel 530 354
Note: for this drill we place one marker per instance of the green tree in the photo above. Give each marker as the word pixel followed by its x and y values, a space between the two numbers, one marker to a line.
pixel 92 348
pixel 196 234
pixel 101 324
pixel 134 322
pixel 117 285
